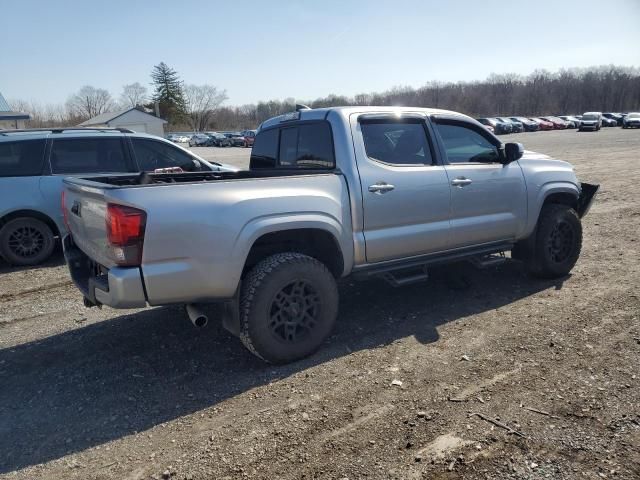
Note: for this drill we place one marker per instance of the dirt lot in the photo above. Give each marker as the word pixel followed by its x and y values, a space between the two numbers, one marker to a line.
pixel 142 394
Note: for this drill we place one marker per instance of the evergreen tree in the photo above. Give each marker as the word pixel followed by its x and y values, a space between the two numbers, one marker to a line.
pixel 168 92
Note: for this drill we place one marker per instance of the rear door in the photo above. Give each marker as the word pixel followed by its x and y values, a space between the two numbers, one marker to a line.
pixel 73 156
pixel 405 191
pixel 488 198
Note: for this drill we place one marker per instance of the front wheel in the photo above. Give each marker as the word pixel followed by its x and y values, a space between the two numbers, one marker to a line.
pixel 26 241
pixel 557 243
pixel 288 306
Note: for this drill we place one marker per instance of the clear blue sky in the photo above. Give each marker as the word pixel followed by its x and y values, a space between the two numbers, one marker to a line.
pixel 304 49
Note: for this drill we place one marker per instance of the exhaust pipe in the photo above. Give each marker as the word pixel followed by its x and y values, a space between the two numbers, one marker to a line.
pixel 197 316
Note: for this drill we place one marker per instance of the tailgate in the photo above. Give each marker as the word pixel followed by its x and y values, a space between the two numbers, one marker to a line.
pixel 85 209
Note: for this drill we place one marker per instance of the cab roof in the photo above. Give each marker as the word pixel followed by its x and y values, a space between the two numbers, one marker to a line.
pixel 345 112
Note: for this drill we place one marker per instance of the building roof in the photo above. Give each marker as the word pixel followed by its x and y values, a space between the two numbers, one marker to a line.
pixel 106 117
pixel 4 105
pixel 7 114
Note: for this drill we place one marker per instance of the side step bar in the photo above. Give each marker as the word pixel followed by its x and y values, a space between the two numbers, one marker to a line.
pixel 404 272
pixel 487 261
pixel 407 276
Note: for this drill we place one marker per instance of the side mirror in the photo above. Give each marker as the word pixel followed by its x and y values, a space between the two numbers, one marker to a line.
pixel 513 152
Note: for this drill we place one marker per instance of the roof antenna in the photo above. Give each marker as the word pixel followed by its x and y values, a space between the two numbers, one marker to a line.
pixel 300 106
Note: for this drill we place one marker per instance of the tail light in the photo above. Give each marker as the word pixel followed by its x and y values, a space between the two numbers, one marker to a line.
pixel 65 215
pixel 125 233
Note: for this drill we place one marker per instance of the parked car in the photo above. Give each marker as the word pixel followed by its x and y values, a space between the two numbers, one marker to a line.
pixel 558 123
pixel 574 122
pixel 609 122
pixel 34 162
pixel 236 139
pixel 179 137
pixel 543 124
pixel 516 126
pixel 614 116
pixel 631 120
pixel 590 121
pixel 249 137
pixel 199 140
pixel 218 140
pixel 528 124
pixel 498 126
pixel 276 261
pixel 489 128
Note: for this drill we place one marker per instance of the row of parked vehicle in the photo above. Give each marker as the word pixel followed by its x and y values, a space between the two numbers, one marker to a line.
pixel 215 139
pixel 587 121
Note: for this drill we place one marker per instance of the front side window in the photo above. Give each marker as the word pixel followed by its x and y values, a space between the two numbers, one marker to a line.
pixel 24 158
pixel 88 155
pixel 465 145
pixel 396 142
pixel 152 155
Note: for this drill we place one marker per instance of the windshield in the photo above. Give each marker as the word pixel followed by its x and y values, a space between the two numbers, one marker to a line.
pixel 589 117
pixel 633 115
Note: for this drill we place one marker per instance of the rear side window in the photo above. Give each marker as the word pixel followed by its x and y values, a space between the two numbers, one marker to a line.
pixel 88 155
pixel 264 153
pixel 315 146
pixel 396 142
pixel 19 159
pixel 297 146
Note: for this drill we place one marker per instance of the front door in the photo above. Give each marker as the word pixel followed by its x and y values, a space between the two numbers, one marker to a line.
pixel 488 198
pixel 405 193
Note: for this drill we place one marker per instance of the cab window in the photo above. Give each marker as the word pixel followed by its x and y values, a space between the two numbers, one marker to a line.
pixel 294 146
pixel 397 142
pixel 466 145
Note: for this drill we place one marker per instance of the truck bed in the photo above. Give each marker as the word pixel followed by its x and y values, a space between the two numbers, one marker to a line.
pixel 201 226
pixel 147 179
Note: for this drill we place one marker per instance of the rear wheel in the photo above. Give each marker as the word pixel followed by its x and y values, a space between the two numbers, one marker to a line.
pixel 557 243
pixel 26 241
pixel 288 306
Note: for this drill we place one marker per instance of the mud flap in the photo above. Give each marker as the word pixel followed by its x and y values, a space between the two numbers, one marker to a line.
pixel 587 195
pixel 231 315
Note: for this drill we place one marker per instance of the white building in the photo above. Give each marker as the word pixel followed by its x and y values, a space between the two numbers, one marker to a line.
pixel 10 119
pixel 131 118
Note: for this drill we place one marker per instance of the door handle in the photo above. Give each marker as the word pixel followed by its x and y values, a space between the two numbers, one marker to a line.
pixel 381 187
pixel 461 182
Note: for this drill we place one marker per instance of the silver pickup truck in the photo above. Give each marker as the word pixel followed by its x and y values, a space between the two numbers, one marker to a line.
pixel 330 192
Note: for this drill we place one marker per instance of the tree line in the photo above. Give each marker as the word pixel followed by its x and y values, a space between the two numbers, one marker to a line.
pixel 200 107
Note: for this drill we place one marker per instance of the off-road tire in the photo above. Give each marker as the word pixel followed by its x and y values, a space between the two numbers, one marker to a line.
pixel 266 319
pixel 26 241
pixel 558 240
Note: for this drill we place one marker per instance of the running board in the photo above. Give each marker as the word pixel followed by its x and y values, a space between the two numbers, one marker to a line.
pixel 380 269
pixel 487 261
pixel 400 278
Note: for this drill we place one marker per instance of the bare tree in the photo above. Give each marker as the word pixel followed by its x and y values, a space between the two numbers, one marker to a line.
pixel 89 102
pixel 202 101
pixel 133 95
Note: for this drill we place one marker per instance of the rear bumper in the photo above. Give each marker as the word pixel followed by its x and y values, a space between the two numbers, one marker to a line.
pixel 116 287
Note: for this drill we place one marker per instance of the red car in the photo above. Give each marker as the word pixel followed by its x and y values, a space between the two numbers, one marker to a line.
pixel 558 123
pixel 249 137
pixel 543 124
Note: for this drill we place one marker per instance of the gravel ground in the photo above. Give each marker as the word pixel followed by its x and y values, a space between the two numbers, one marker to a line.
pixel 488 374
